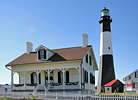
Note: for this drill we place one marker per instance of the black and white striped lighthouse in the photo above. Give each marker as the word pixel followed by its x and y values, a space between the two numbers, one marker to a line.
pixel 106 68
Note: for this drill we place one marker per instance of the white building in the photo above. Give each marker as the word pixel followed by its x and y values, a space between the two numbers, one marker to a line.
pixel 67 70
pixel 131 82
pixel 5 89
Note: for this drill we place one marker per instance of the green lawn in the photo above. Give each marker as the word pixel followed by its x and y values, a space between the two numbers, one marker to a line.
pixel 7 99
pixel 116 94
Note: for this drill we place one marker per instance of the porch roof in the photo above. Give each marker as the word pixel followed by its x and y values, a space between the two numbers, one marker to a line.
pixel 65 54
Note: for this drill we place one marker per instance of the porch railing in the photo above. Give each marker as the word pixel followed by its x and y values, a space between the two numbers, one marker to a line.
pixel 22 86
pixel 70 85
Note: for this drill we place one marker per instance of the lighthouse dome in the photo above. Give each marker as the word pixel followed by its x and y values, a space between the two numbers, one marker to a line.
pixel 105 12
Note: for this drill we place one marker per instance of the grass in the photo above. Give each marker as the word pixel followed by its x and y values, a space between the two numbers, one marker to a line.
pixel 7 99
pixel 121 94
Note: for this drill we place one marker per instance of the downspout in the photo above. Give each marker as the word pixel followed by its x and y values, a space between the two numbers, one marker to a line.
pixel 10 70
pixel 81 75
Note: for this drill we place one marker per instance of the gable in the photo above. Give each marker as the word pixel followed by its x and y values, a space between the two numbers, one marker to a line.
pixel 93 58
pixel 124 79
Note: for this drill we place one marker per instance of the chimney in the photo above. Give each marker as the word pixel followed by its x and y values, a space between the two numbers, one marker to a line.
pixel 85 40
pixel 29 47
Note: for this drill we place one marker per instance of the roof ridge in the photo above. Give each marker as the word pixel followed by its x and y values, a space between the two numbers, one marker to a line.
pixel 71 47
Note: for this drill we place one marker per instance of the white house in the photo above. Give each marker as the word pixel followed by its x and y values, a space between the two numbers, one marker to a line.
pixel 5 89
pixel 60 70
pixel 131 82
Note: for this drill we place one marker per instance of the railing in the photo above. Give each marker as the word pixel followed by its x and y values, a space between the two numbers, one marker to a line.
pixel 71 85
pixel 22 86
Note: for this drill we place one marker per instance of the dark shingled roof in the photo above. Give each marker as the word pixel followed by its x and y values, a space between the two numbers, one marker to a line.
pixel 65 54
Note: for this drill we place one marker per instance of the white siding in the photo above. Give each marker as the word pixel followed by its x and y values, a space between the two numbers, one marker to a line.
pixel 49 54
pixel 90 69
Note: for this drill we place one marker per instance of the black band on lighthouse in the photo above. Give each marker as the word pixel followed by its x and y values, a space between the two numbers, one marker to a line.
pixel 105 23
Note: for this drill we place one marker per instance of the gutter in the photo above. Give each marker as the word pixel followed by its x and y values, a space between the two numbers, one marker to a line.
pixel 41 62
pixel 7 67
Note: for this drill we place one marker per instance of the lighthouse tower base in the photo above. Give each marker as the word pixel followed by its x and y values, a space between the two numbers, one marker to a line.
pixel 106 72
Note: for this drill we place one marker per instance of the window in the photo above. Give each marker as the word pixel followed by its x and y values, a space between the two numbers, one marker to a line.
pixel 108 89
pixel 34 78
pixel 50 76
pixel 133 85
pixel 42 54
pixel 129 77
pixel 90 60
pixel 60 77
pixel 86 76
pixel 5 89
pixel 87 58
pixel 136 74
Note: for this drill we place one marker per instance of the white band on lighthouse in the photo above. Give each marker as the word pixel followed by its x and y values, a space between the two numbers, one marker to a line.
pixel 105 43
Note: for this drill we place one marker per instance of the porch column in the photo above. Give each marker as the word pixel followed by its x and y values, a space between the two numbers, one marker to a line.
pixel 79 69
pixel 80 77
pixel 48 71
pixel 64 70
pixel 12 74
pixel 24 73
pixel 37 72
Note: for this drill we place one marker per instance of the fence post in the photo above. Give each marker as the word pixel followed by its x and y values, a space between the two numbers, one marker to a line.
pixel 125 97
pixel 99 97
pixel 56 96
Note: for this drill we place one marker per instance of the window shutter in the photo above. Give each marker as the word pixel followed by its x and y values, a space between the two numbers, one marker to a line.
pixel 90 60
pixel 39 78
pixel 93 80
pixel 51 77
pixel 44 54
pixel 85 76
pixel 87 58
pixel 67 76
pixel 39 54
pixel 32 80
pixel 90 78
pixel 59 78
pixel 135 74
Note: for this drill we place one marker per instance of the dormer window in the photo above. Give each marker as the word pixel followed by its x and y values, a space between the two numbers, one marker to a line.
pixel 42 54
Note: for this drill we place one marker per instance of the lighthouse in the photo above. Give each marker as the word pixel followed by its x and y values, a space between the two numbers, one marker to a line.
pixel 106 68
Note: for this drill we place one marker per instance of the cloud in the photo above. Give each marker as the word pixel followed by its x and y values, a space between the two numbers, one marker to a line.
pixel 31 29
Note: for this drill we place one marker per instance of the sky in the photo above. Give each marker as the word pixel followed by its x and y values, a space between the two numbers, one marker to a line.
pixel 61 23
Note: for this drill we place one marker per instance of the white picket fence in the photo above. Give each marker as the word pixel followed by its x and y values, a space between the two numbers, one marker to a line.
pixel 59 96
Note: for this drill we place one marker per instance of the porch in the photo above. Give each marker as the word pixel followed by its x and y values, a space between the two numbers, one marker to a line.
pixel 63 79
